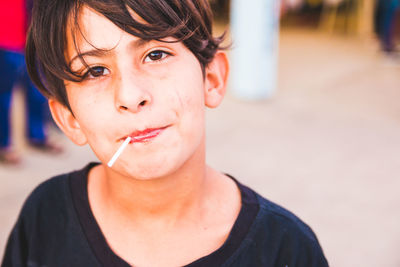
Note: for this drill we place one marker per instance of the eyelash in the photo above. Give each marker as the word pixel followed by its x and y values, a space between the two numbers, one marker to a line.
pixel 163 53
pixel 91 72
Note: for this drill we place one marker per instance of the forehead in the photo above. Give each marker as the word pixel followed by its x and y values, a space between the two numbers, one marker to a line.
pixel 93 30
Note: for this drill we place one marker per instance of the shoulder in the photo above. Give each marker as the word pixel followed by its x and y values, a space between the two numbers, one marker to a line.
pixel 281 237
pixel 50 188
pixel 45 214
pixel 47 230
pixel 283 220
pixel 274 217
pixel 46 197
pixel 36 219
pixel 54 192
pixel 51 201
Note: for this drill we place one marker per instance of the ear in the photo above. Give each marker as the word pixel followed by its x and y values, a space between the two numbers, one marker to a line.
pixel 67 122
pixel 216 77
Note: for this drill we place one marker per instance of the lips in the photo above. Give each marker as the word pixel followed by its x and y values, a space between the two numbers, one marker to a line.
pixel 145 136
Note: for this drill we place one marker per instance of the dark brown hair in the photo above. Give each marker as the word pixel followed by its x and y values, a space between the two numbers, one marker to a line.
pixel 189 21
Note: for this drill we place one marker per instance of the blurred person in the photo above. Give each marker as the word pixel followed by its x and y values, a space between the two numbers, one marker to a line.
pixel 385 16
pixel 13 24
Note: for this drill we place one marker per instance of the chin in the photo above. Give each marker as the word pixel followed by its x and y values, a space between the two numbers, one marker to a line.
pixel 160 164
pixel 150 171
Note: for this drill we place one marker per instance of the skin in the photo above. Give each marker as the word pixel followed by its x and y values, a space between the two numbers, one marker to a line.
pixel 160 197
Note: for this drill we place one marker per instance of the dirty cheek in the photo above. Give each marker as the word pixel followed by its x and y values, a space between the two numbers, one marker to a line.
pixel 90 111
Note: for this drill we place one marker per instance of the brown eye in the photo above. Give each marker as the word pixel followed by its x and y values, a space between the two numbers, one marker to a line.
pixel 97 72
pixel 156 56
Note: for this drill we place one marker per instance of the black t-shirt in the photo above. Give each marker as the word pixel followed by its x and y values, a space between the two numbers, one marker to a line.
pixel 56 227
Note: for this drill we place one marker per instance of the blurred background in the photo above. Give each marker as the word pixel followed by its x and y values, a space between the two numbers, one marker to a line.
pixel 311 119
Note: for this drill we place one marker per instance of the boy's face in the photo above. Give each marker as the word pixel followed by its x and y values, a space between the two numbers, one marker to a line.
pixel 153 91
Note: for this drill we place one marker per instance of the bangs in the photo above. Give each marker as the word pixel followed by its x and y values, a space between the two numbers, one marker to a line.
pixel 187 21
pixel 133 18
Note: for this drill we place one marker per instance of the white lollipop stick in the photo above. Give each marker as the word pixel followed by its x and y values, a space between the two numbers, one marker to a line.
pixel 119 151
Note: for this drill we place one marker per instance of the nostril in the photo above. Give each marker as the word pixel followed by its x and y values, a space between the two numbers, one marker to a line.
pixel 141 104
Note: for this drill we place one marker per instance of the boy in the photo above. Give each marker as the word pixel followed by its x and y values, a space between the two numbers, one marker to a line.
pixel 139 73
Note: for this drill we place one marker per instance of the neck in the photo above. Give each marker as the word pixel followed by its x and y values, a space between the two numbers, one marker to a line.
pixel 166 198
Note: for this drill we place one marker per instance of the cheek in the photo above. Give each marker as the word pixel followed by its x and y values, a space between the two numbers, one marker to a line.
pixel 190 109
pixel 91 112
pixel 187 99
pixel 188 90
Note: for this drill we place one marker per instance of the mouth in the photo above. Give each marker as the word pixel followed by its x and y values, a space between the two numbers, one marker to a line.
pixel 144 136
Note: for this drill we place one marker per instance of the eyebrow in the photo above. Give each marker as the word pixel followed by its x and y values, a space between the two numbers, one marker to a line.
pixel 100 52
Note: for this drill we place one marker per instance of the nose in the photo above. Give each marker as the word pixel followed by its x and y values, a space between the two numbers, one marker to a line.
pixel 132 94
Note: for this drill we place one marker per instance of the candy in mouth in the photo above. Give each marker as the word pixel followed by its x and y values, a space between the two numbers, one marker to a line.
pixel 119 151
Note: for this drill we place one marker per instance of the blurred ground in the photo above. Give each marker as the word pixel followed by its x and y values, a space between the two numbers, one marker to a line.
pixel 327 147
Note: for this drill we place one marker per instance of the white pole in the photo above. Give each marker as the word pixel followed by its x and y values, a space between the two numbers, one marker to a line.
pixel 254 55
